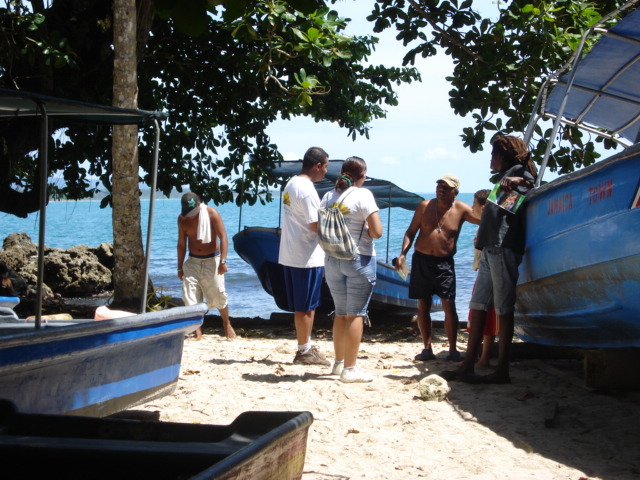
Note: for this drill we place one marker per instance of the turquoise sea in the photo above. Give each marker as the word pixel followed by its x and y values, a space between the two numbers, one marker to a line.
pixel 85 223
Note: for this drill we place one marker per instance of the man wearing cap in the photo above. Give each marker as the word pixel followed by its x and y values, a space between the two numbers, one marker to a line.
pixel 202 274
pixel 437 222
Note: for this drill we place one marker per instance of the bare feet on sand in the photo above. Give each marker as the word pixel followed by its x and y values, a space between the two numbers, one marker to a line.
pixel 197 335
pixel 229 332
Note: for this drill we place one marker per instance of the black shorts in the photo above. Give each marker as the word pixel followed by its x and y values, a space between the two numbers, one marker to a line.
pixel 432 276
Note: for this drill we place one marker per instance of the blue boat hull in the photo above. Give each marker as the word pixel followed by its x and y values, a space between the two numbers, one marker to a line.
pixel 580 277
pixel 259 247
pixel 95 368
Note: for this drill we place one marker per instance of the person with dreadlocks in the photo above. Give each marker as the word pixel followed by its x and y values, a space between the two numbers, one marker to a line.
pixel 500 237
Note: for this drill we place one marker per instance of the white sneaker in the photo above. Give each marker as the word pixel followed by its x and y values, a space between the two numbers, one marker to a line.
pixel 355 375
pixel 337 368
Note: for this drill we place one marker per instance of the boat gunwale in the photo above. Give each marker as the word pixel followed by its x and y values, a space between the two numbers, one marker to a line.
pixel 100 327
pixel 624 155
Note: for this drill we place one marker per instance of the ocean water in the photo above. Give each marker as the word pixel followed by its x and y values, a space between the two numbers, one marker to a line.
pixel 85 223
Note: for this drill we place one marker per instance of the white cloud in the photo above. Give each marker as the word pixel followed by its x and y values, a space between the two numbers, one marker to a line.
pixel 389 161
pixel 440 153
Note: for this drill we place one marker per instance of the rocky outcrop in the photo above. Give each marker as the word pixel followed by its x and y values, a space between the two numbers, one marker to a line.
pixel 79 271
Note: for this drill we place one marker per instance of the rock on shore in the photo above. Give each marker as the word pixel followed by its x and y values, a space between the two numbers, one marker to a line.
pixel 79 271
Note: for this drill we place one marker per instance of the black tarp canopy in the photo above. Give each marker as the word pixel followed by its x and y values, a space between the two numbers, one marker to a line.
pixel 15 104
pixel 387 194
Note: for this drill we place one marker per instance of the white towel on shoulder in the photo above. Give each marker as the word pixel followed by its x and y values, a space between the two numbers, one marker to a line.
pixel 204 224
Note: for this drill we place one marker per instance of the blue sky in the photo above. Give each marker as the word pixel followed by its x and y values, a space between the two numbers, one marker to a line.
pixel 420 138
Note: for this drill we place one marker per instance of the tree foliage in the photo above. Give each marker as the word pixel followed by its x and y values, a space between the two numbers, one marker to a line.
pixel 499 62
pixel 224 70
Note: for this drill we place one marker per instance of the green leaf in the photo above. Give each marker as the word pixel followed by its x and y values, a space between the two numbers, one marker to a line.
pixel 313 34
pixel 234 9
pixel 305 6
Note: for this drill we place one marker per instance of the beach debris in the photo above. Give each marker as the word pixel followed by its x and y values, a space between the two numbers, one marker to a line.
pixel 433 387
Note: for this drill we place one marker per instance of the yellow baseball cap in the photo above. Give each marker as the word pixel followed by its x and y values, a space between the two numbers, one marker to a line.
pixel 450 180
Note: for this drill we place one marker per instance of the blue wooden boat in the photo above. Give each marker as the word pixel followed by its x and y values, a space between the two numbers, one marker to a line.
pixel 580 277
pixel 94 368
pixel 259 246
pixel 84 367
pixel 256 445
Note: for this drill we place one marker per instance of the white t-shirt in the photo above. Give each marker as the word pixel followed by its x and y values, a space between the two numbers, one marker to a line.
pixel 357 205
pixel 298 243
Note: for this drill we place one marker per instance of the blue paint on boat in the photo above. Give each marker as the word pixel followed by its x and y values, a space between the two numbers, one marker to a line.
pixel 87 368
pixel 94 368
pixel 580 277
pixel 579 280
pixel 259 247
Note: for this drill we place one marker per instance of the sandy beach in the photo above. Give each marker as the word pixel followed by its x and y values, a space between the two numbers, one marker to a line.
pixel 545 425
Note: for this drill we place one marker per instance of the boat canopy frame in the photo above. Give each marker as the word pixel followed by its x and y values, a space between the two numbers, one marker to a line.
pixel 589 98
pixel 15 104
pixel 386 193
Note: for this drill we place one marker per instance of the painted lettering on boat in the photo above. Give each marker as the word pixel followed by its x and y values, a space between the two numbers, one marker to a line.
pixel 560 204
pixel 601 192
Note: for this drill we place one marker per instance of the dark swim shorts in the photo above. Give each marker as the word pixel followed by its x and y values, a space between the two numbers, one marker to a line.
pixel 432 275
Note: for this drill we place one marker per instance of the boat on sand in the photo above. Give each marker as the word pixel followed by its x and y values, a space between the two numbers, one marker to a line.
pixel 579 280
pixel 256 445
pixel 86 367
pixel 259 245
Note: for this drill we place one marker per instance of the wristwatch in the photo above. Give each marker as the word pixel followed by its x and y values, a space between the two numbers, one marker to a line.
pixel 223 261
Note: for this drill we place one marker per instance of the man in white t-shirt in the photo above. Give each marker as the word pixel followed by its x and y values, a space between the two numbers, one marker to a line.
pixel 300 255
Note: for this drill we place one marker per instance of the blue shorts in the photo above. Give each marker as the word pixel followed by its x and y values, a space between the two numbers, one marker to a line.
pixel 303 287
pixel 496 282
pixel 351 283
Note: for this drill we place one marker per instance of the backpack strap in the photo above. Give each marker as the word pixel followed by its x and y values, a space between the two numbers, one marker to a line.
pixel 339 202
pixel 344 195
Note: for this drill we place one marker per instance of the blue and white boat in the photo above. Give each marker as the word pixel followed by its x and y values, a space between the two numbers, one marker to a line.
pixel 94 368
pixel 86 367
pixel 580 277
pixel 259 246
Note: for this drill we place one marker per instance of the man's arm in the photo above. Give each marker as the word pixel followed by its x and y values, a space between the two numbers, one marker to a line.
pixel 218 226
pixel 468 214
pixel 182 246
pixel 522 183
pixel 508 184
pixel 313 226
pixel 410 234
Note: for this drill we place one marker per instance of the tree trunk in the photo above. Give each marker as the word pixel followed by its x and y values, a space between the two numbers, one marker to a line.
pixel 127 234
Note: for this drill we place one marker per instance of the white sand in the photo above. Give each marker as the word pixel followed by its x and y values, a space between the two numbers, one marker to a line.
pixel 384 430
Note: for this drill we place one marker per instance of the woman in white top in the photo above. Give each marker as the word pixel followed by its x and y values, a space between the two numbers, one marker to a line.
pixel 351 281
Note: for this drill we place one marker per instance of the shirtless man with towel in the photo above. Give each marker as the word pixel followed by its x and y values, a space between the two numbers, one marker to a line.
pixel 202 274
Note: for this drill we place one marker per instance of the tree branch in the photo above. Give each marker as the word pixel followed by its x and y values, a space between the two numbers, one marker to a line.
pixel 444 33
